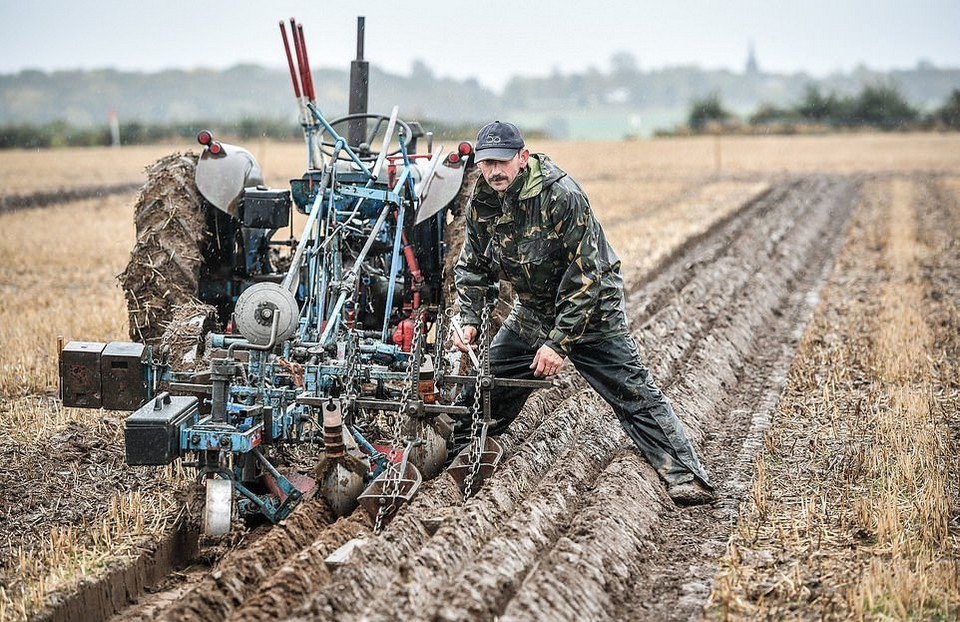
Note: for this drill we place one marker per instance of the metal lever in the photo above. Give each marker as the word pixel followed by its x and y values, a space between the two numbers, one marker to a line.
pixel 463 339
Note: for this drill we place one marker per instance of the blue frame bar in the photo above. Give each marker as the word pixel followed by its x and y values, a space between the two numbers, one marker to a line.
pixel 353 156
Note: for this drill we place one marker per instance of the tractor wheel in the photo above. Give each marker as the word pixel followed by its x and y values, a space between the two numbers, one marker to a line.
pixel 453 237
pixel 454 232
pixel 164 268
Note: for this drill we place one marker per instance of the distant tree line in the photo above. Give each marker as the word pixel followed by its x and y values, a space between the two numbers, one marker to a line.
pixel 879 107
pixel 876 106
pixel 61 134
pixel 601 101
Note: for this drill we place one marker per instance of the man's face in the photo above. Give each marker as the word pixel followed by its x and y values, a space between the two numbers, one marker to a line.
pixel 501 173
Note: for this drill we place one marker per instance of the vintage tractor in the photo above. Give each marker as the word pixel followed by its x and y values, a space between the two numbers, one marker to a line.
pixel 334 343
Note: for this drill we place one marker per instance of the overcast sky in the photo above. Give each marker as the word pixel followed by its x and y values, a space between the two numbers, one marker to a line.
pixel 490 40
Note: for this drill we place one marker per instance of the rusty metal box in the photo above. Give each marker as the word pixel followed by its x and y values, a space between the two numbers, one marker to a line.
pixel 151 435
pixel 80 381
pixel 122 374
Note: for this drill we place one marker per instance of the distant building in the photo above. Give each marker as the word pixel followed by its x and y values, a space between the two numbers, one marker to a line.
pixel 751 68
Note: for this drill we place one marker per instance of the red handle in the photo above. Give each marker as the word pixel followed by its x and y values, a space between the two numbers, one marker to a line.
pixel 298 48
pixel 293 71
pixel 308 79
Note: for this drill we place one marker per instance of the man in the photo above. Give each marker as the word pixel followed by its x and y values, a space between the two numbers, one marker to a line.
pixel 530 223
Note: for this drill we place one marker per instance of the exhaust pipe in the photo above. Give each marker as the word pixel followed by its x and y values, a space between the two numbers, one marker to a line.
pixel 359 88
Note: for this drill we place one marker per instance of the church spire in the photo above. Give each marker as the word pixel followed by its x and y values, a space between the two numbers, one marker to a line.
pixel 751 68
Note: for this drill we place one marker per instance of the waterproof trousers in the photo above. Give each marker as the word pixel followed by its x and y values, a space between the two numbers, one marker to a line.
pixel 612 366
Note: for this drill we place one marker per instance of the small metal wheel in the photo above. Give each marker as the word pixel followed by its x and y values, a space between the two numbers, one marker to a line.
pixel 218 508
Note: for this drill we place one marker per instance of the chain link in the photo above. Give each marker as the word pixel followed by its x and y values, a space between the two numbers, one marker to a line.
pixel 438 359
pixel 443 334
pixel 392 485
pixel 408 381
pixel 476 449
pixel 353 361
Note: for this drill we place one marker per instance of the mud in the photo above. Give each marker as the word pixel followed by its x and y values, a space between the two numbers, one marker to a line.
pixel 296 580
pixel 60 484
pixel 749 374
pixel 408 555
pixel 574 524
pixel 184 335
pixel 126 582
pixel 227 585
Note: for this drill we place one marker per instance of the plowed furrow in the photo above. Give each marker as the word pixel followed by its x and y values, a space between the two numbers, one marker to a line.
pixel 502 561
pixel 565 526
pixel 709 374
pixel 14 202
pixel 422 572
pixel 655 292
pixel 707 287
pixel 597 567
pixel 221 591
pixel 407 544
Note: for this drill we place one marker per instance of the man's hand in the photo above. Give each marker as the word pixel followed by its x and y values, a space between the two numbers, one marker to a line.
pixel 469 336
pixel 547 362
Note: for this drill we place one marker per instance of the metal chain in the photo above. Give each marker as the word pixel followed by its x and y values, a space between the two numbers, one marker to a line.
pixel 408 380
pixel 438 360
pixel 353 360
pixel 392 486
pixel 354 414
pixel 477 451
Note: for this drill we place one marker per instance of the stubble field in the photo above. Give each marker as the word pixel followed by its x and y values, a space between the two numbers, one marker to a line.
pixel 795 297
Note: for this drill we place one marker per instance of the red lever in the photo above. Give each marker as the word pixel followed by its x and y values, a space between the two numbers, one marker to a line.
pixel 293 71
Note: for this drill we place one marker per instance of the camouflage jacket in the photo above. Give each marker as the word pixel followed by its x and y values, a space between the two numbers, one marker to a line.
pixel 543 238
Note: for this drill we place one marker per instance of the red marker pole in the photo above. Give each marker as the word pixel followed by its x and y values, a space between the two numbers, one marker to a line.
pixel 293 71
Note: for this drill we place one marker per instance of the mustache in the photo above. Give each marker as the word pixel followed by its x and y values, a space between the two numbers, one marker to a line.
pixel 497 178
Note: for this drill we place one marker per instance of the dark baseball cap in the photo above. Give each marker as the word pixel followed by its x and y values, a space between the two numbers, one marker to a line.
pixel 498 141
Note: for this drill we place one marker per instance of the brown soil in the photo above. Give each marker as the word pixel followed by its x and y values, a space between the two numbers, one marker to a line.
pixel 184 335
pixel 574 524
pixel 41 494
pixel 14 202
pixel 808 544
pixel 61 483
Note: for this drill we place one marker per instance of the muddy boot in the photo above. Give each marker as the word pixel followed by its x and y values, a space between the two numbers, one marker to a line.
pixel 690 493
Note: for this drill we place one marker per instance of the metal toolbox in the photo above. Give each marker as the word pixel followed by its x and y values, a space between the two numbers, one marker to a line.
pixel 80 381
pixel 123 380
pixel 152 433
pixel 265 208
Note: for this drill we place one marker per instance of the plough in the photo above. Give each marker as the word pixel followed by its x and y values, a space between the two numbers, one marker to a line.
pixel 344 353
